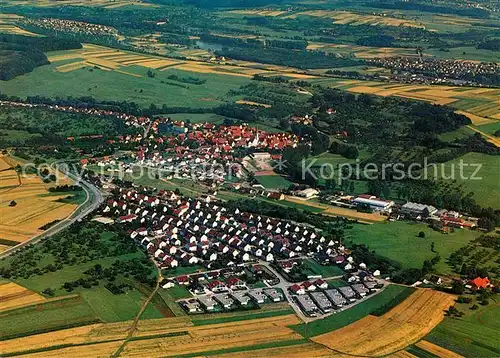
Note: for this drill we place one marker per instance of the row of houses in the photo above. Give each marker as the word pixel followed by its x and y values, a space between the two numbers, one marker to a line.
pixel 231 300
pixel 319 298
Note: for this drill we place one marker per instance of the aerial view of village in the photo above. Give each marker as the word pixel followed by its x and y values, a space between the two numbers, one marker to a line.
pixel 250 178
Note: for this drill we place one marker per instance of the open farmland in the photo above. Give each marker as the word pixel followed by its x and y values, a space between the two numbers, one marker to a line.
pixel 337 17
pixel 436 350
pixel 27 191
pixel 480 105
pixel 380 303
pixel 362 51
pixel 162 337
pixel 404 324
pixel 113 74
pixel 474 334
pixel 13 295
pixel 42 317
pixel 8 25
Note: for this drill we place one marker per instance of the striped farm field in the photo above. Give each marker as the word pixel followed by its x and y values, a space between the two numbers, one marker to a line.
pixel 13 295
pixel 437 350
pixel 480 105
pixel 403 325
pixel 164 337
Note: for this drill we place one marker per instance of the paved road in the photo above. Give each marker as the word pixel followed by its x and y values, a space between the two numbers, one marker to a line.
pixel 92 202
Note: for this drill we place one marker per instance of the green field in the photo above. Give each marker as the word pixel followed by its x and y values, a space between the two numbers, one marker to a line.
pixel 254 314
pixel 460 133
pixel 488 183
pixel 273 182
pixel 178 292
pixel 112 85
pixel 473 335
pixel 399 241
pixel 46 317
pixel 374 304
pixel 314 268
pixel 114 308
pixel 490 128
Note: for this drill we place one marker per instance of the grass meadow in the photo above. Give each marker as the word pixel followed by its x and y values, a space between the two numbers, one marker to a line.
pixel 399 241
pixel 44 317
pixel 489 181
pixel 113 85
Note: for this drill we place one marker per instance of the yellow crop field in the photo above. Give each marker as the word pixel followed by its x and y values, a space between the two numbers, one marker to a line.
pixel 403 325
pixel 305 350
pixel 476 120
pixel 13 295
pixel 71 66
pixel 33 207
pixel 94 333
pixel 12 29
pixel 272 13
pixel 217 336
pixel 486 111
pixel 402 354
pixel 250 103
pixel 437 350
pixel 192 339
pixel 98 350
pixel 351 18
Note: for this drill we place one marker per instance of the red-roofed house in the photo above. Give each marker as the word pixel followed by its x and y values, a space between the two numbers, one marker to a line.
pixel 235 283
pixel 480 283
pixel 183 280
pixel 298 290
pixel 217 286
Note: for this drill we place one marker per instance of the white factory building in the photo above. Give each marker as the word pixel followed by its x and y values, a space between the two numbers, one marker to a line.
pixel 374 203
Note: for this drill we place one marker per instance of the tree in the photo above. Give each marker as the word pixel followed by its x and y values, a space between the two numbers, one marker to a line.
pixel 486 224
pixel 421 234
pixel 49 292
pixel 457 287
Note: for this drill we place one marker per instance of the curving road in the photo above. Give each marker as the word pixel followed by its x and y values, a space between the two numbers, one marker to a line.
pixel 92 202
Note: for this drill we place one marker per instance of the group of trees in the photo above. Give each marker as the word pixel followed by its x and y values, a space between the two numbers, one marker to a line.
pixel 22 54
pixel 302 59
pixel 80 243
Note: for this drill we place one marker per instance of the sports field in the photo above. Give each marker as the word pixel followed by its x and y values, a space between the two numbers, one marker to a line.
pixel 401 326
pixel 27 191
pixel 399 241
pixel 273 181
